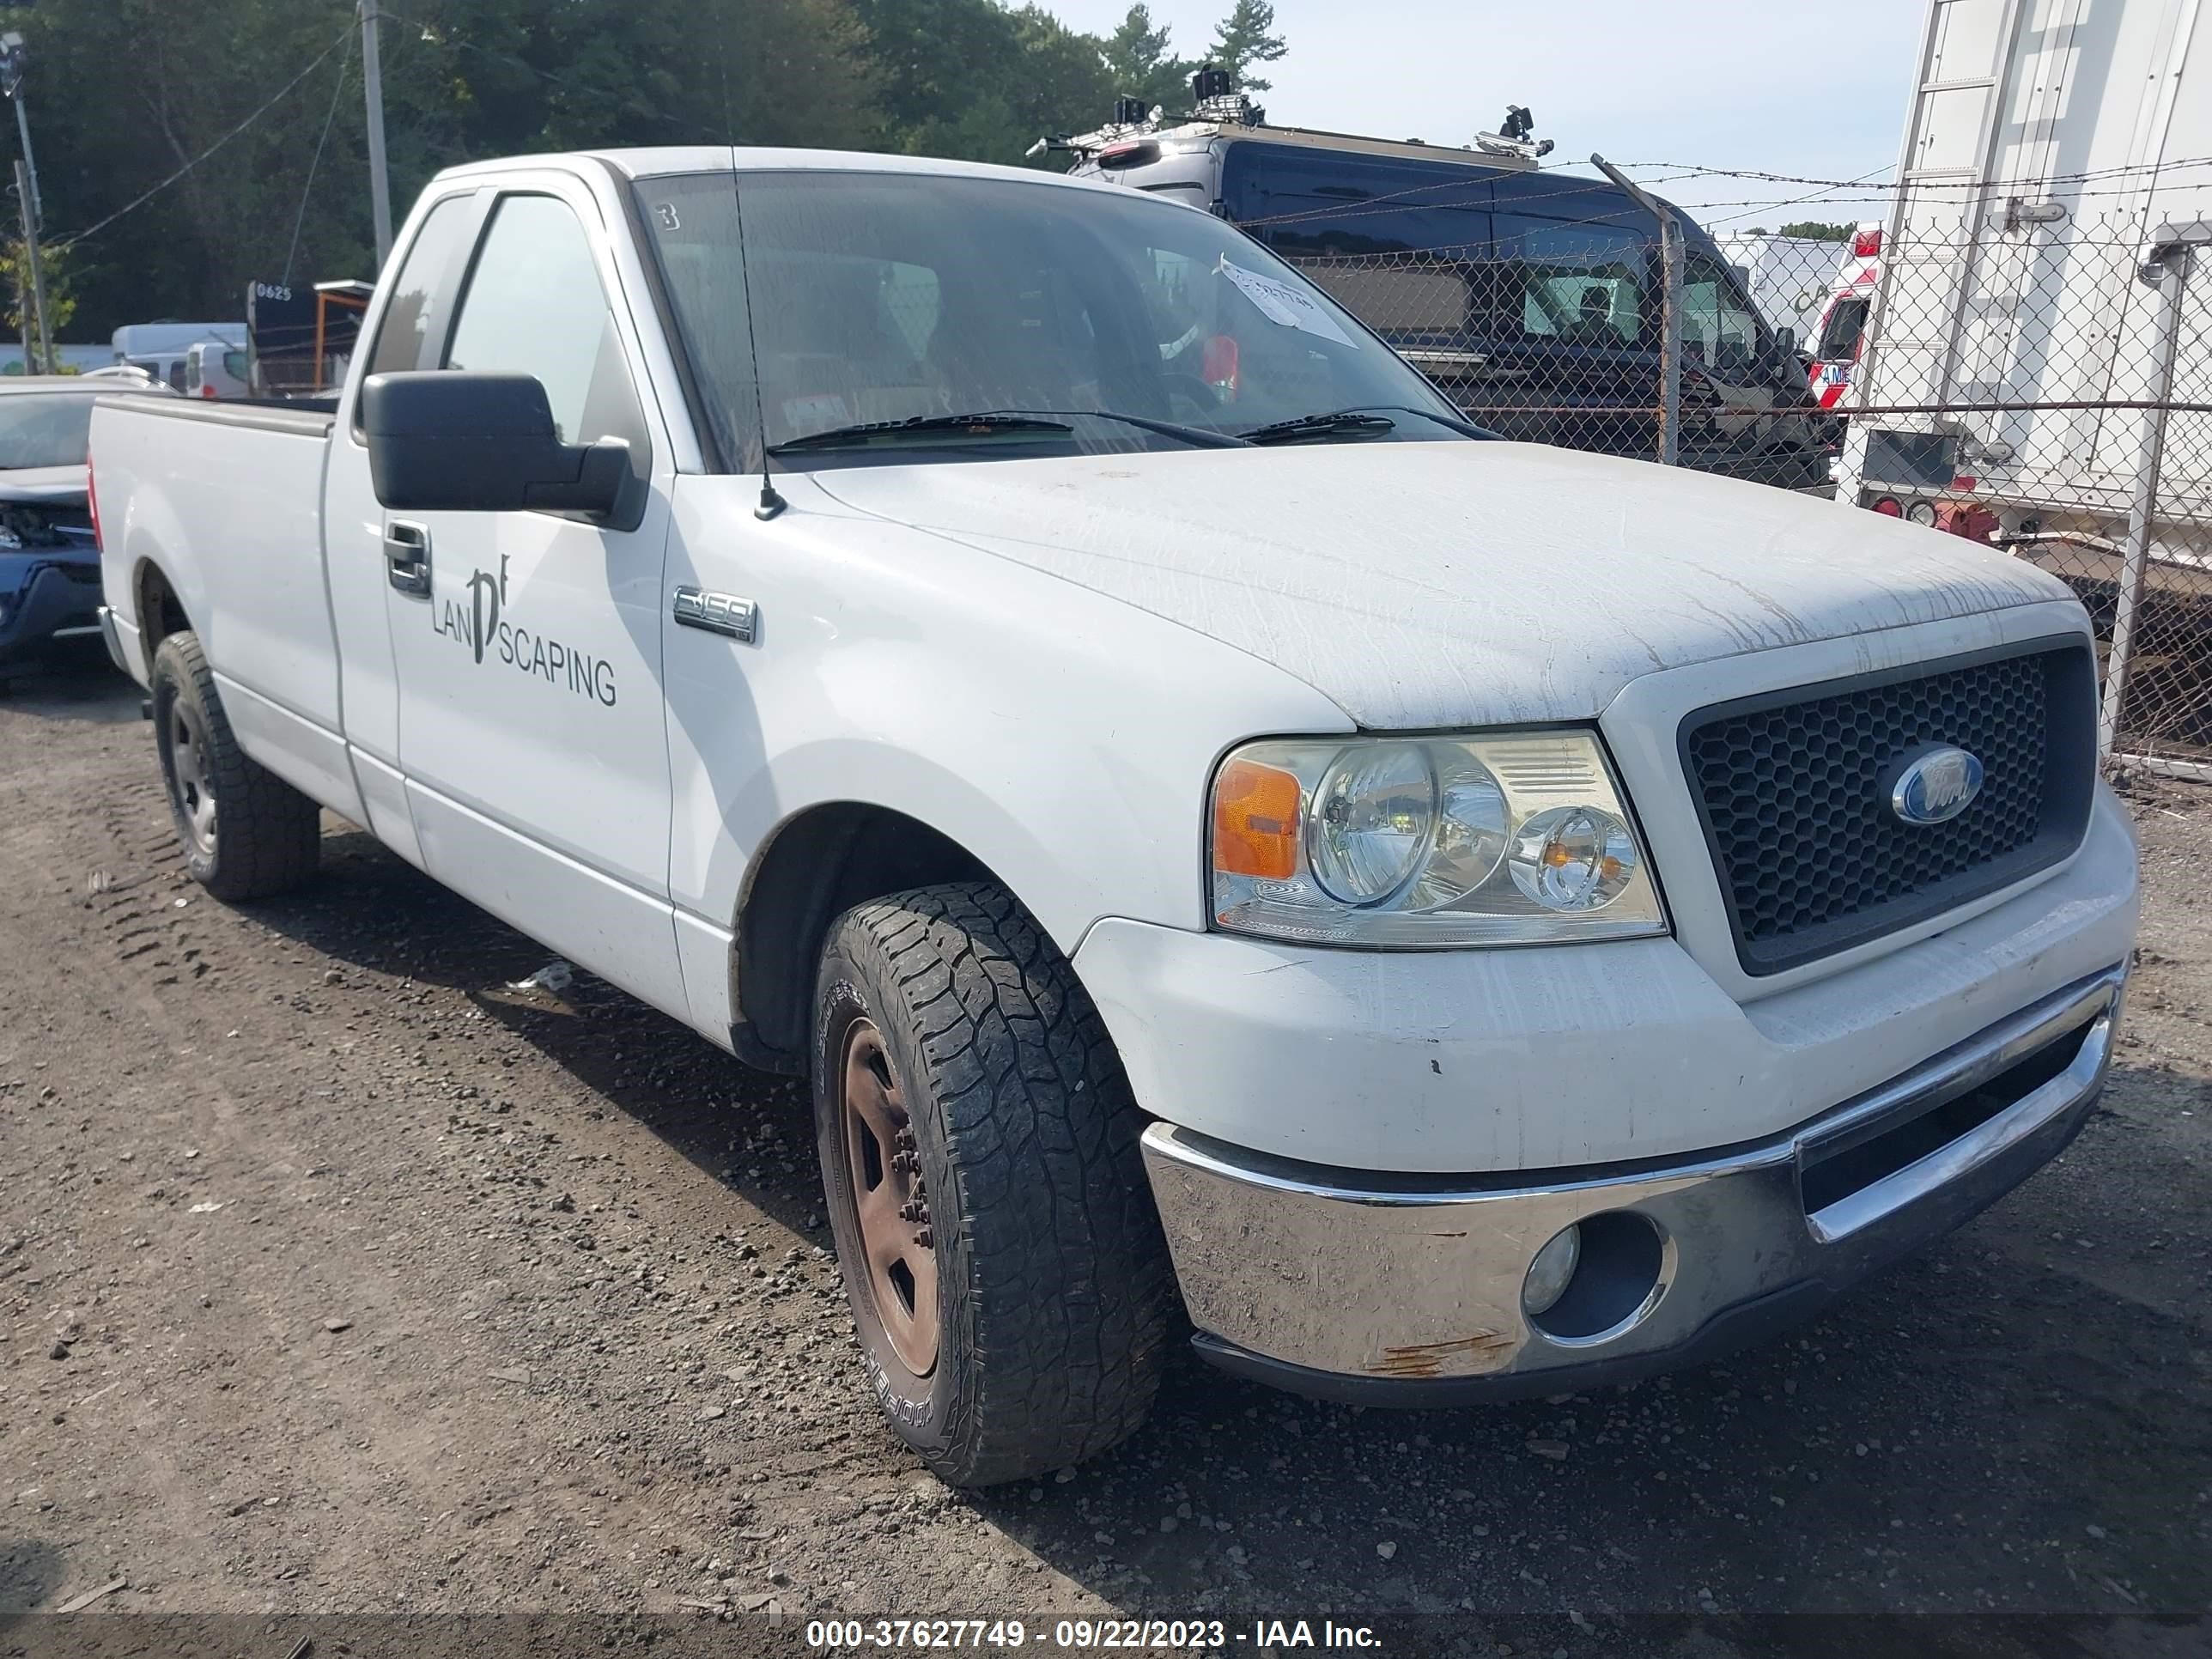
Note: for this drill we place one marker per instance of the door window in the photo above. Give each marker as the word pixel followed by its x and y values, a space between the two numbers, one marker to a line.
pixel 534 306
pixel 1839 340
pixel 1719 331
pixel 1572 285
pixel 423 289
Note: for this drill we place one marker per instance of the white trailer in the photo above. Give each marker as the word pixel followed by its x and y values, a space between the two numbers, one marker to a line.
pixel 2017 349
pixel 1789 278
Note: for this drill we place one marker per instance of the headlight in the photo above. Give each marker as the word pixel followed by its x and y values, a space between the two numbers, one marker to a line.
pixel 1517 839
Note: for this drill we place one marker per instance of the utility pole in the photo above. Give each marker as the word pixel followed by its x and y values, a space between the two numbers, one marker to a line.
pixel 13 59
pixel 38 306
pixel 380 180
pixel 30 162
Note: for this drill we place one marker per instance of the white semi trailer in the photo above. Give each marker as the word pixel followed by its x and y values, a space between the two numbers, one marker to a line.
pixel 2033 311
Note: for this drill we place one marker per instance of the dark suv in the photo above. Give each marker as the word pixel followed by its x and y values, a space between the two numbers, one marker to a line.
pixel 1529 297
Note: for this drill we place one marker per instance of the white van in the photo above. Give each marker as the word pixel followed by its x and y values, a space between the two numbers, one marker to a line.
pixel 213 369
pixel 158 348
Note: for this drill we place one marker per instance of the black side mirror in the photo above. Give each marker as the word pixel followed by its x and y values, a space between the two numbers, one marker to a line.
pixel 458 440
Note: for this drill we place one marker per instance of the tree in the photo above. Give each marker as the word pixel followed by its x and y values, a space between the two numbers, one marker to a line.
pixel 1814 230
pixel 1140 63
pixel 973 80
pixel 463 80
pixel 1062 76
pixel 1245 37
pixel 16 279
pixel 240 122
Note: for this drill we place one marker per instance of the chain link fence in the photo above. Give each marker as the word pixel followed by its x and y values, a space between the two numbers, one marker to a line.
pixel 2046 387
pixel 2038 382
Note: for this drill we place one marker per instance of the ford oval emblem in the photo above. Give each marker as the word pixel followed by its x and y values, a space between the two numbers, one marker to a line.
pixel 1936 784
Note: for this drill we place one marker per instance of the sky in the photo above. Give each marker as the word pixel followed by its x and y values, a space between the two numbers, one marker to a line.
pixel 1771 86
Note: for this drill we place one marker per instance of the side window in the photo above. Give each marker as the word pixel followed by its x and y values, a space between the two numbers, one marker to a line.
pixel 1718 330
pixel 1580 284
pixel 420 291
pixel 1839 341
pixel 534 306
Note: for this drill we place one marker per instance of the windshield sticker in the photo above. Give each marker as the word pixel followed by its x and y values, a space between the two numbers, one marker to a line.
pixel 1281 303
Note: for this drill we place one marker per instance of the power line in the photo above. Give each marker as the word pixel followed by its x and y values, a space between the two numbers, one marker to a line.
pixel 316 160
pixel 141 200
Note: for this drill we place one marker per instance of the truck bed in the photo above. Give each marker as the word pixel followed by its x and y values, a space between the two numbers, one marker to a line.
pixel 226 499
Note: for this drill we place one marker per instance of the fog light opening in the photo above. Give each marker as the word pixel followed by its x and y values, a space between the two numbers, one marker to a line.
pixel 1552 1268
pixel 1613 1280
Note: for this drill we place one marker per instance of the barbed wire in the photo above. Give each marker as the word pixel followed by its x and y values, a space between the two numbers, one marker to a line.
pixel 1700 170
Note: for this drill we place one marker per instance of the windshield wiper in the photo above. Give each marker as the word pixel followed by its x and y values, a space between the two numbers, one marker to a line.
pixel 1190 434
pixel 991 422
pixel 1465 429
pixel 921 426
pixel 1319 426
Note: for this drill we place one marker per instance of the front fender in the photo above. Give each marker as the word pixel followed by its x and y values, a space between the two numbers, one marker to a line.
pixel 1063 739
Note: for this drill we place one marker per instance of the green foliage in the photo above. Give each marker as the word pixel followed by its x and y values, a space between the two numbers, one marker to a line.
pixel 466 79
pixel 1140 61
pixel 15 284
pixel 1814 230
pixel 1245 37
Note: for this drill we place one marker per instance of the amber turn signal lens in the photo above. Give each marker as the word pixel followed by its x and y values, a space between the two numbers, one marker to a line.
pixel 1255 821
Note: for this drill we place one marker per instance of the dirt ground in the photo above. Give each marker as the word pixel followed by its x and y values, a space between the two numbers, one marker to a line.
pixel 338 1276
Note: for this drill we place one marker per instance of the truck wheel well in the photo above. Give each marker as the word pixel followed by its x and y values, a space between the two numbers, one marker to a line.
pixel 819 866
pixel 160 615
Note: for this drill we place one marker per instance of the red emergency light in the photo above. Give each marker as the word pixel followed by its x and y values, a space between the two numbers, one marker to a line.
pixel 1867 244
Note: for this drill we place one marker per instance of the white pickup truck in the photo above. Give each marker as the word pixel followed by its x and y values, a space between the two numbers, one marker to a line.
pixel 1235 850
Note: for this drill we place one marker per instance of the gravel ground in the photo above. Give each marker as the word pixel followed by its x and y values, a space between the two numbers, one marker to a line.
pixel 340 1276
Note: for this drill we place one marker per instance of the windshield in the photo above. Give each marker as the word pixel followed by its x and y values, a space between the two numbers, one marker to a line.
pixel 44 430
pixel 887 297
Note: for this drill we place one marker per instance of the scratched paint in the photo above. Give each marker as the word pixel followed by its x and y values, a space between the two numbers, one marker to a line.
pixel 1480 1351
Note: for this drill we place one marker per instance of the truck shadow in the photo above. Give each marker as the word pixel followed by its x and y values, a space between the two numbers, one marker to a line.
pixel 2013 1421
pixel 374 911
pixel 80 687
pixel 31 1569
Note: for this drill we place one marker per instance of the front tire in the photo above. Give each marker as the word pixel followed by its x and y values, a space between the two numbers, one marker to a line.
pixel 246 833
pixel 1000 1247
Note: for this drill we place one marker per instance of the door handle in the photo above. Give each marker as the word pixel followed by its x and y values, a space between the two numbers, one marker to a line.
pixel 407 557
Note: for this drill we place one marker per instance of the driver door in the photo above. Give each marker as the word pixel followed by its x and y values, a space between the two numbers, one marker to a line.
pixel 528 644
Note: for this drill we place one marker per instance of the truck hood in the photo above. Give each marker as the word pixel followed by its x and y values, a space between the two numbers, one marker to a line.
pixel 1448 584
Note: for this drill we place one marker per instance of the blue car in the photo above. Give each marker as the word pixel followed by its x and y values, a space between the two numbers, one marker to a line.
pixel 49 556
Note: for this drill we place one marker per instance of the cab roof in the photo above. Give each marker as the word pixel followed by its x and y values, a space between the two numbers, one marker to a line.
pixel 1405 149
pixel 647 163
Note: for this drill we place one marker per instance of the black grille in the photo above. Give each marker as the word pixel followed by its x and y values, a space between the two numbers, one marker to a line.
pixel 1794 791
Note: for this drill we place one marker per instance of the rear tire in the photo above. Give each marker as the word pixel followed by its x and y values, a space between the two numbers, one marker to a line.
pixel 1000 1247
pixel 246 833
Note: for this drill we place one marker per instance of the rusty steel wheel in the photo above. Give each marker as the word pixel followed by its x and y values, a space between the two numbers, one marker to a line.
pixel 890 1199
pixel 1009 1284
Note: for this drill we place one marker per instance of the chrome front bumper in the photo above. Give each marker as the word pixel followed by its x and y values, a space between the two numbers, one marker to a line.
pixel 1402 1290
